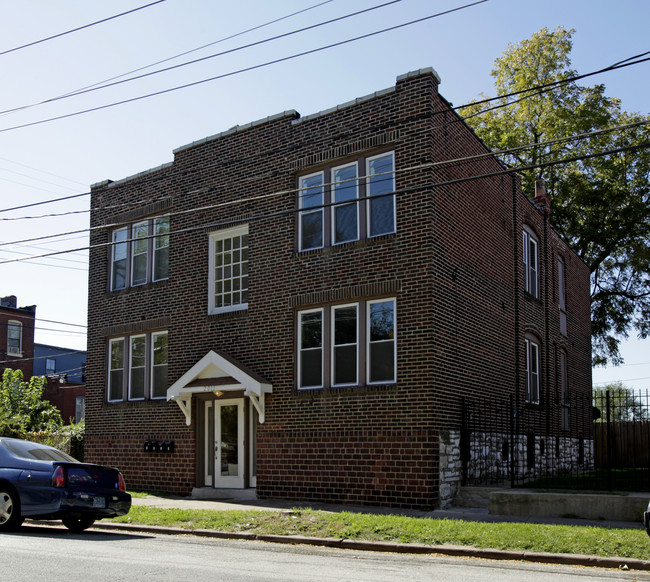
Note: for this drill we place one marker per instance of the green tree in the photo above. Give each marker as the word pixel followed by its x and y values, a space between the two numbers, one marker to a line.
pixel 22 407
pixel 600 205
pixel 624 404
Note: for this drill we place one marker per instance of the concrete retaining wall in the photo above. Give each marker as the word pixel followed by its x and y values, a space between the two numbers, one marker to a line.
pixel 624 507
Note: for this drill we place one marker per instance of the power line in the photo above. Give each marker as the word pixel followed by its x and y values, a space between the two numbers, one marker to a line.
pixel 292 211
pixel 112 81
pixel 78 28
pixel 244 70
pixel 489 154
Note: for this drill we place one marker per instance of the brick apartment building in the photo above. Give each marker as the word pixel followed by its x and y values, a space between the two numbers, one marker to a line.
pixel 299 305
pixel 17 336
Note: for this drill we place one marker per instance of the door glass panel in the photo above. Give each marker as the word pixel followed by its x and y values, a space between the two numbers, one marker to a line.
pixel 229 441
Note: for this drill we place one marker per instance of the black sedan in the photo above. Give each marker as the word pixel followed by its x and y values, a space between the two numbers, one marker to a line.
pixel 41 482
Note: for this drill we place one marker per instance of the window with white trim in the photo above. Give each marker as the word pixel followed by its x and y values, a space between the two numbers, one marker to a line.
pixel 137 367
pixel 532 371
pixel 351 344
pixel 531 261
pixel 338 206
pixel 14 338
pixel 50 366
pixel 228 265
pixel 561 289
pixel 140 253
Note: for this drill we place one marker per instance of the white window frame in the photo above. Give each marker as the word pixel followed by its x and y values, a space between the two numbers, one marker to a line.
pixel 125 387
pixel 531 271
pixel 370 195
pixel 363 344
pixel 334 345
pixel 303 194
pixel 50 366
pixel 124 242
pixel 365 196
pixel 123 369
pixel 336 205
pixel 222 235
pixel 140 238
pixel 132 368
pixel 561 289
pixel 301 350
pixel 153 366
pixel 16 351
pixel 160 248
pixel 370 343
pixel 533 373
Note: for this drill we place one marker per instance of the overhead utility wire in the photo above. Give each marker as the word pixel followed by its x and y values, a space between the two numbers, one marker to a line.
pixel 244 70
pixel 536 88
pixel 78 28
pixel 394 193
pixel 229 51
pixel 540 89
pixel 490 154
pixel 83 89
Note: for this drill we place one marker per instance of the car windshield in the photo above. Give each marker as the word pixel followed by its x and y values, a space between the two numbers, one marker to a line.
pixel 36 452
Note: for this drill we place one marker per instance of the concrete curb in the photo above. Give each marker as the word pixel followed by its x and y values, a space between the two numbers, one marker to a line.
pixel 445 550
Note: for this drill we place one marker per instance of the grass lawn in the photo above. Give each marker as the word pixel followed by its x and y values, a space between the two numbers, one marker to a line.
pixel 624 543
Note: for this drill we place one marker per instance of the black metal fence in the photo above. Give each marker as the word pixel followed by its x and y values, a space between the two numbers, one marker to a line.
pixel 598 442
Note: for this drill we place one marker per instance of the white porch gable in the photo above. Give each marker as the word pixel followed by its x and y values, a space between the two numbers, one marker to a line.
pixel 218 372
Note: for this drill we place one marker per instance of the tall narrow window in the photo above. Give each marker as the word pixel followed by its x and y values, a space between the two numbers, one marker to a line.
pixel 140 248
pixel 530 256
pixel 310 367
pixel 160 249
pixel 345 351
pixel 116 370
pixel 228 285
pixel 119 258
pixel 50 366
pixel 138 362
pixel 561 284
pixel 159 365
pixel 14 338
pixel 381 341
pixel 311 211
pixel 532 371
pixel 345 192
pixel 380 191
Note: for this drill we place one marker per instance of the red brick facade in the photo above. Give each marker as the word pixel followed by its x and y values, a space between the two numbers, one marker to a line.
pixel 453 267
pixel 17 353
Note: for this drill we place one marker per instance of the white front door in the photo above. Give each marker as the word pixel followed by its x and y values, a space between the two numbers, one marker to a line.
pixel 224 446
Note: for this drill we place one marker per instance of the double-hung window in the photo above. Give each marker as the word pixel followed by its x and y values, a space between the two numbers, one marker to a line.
pixel 531 261
pixel 532 371
pixel 14 338
pixel 140 253
pixel 561 289
pixel 347 345
pixel 337 205
pixel 137 367
pixel 228 265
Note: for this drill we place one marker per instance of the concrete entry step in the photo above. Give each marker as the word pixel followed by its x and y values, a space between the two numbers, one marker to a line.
pixel 249 494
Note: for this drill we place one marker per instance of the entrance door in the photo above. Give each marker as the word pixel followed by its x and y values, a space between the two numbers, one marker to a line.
pixel 224 446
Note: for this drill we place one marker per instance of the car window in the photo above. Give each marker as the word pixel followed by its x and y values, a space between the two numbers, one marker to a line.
pixel 36 452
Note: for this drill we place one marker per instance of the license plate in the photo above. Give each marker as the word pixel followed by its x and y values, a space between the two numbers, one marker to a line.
pixel 99 502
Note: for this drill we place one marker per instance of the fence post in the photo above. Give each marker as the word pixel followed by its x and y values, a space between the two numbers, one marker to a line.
pixel 513 448
pixel 609 442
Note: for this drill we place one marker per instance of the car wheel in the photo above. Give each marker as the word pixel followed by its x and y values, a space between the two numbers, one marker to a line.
pixel 77 524
pixel 9 509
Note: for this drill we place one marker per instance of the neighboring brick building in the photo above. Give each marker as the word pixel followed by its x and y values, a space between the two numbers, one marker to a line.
pixel 17 336
pixel 262 314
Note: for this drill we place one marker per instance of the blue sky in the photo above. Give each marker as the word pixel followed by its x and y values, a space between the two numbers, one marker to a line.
pixel 64 157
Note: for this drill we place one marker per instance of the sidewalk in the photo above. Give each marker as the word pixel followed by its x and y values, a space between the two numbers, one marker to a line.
pixel 466 514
